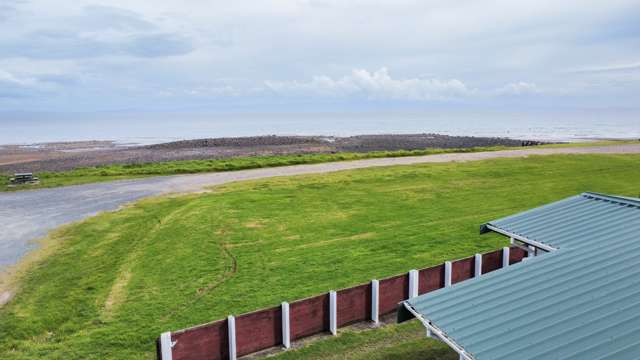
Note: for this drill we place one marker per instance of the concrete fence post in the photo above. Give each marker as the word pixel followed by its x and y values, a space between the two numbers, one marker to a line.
pixel 477 271
pixel 512 241
pixel 413 284
pixel 447 273
pixel 333 312
pixel 231 323
pixel 505 257
pixel 286 327
pixel 375 301
pixel 165 346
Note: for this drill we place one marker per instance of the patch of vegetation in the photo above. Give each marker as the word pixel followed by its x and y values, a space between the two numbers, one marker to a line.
pixel 402 342
pixel 591 143
pixel 114 282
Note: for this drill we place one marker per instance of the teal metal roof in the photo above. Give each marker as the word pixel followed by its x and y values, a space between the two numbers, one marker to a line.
pixel 570 222
pixel 579 301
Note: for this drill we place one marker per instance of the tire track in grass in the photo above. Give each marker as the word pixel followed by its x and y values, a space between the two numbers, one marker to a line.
pixel 230 271
pixel 118 293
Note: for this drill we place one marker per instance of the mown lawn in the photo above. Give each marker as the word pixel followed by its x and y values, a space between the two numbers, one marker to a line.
pixel 115 281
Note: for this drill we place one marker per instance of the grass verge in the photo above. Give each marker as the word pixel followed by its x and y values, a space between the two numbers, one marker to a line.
pixel 402 342
pixel 115 281
pixel 177 167
pixel 133 171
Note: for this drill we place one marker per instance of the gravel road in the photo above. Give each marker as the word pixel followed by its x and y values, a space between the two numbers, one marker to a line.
pixel 26 216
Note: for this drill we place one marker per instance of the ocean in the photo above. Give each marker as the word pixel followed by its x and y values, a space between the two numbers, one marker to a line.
pixel 149 128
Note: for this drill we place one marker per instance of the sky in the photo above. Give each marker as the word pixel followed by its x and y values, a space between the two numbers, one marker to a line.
pixel 192 55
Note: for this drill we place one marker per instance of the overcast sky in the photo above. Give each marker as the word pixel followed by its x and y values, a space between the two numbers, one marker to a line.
pixel 92 55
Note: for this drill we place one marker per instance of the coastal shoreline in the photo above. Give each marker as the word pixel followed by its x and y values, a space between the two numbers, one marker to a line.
pixel 62 156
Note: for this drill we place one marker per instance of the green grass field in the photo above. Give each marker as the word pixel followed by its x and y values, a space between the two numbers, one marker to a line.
pixel 111 284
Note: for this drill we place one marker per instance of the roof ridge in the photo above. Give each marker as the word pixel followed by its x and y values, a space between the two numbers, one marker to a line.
pixel 613 198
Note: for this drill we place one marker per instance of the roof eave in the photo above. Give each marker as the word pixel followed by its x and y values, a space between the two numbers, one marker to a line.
pixel 441 334
pixel 537 244
pixel 626 200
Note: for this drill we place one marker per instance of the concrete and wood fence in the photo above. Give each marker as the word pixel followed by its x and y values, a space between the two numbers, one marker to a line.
pixel 278 326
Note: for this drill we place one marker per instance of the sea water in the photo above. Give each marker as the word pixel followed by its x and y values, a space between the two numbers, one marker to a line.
pixel 148 128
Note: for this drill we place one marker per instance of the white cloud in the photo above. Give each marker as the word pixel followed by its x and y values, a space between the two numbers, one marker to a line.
pixel 97 31
pixel 19 86
pixel 519 88
pixel 380 85
pixel 9 78
pixel 608 68
pixel 127 50
pixel 374 85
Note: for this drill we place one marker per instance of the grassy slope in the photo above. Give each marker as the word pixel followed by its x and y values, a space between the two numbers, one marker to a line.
pixel 119 279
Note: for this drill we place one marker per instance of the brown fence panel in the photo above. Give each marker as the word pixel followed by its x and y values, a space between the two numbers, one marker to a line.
pixel 392 291
pixel 208 341
pixel 309 316
pixel 491 261
pixel 462 269
pixel 516 255
pixel 354 304
pixel 258 330
pixel 430 279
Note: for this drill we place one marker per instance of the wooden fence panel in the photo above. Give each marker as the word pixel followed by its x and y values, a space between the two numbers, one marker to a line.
pixel 462 269
pixel 392 291
pixel 491 261
pixel 309 316
pixel 430 279
pixel 354 304
pixel 208 342
pixel 258 330
pixel 516 255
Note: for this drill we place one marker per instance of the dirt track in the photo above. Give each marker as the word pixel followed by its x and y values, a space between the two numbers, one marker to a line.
pixel 29 215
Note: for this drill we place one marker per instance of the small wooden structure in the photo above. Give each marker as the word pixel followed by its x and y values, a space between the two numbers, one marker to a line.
pixel 23 178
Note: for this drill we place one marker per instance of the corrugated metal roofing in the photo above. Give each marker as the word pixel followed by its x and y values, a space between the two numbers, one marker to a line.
pixel 581 301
